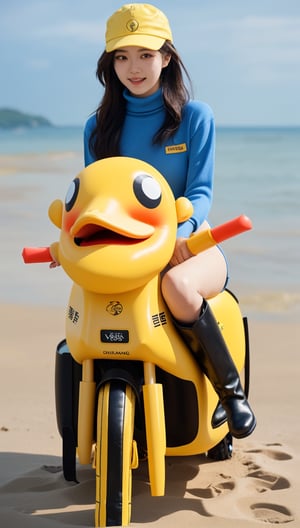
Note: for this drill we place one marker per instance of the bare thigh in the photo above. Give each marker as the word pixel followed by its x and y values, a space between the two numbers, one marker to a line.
pixel 186 285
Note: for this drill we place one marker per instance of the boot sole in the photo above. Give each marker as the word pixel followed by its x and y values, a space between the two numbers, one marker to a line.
pixel 246 433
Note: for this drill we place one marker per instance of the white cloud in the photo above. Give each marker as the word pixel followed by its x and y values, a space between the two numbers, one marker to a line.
pixel 82 31
pixel 255 48
pixel 270 34
pixel 44 20
pixel 268 48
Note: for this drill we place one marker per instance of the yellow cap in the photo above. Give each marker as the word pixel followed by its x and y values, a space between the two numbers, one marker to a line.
pixel 137 25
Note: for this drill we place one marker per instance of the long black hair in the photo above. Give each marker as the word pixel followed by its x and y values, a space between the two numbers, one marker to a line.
pixel 110 114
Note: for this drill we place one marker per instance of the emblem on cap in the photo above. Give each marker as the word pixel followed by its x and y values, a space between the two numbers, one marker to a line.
pixel 132 25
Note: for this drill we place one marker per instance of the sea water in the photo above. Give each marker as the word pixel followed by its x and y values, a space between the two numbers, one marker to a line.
pixel 257 173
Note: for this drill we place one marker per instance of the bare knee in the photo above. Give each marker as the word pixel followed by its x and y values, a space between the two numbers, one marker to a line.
pixel 183 300
pixel 174 284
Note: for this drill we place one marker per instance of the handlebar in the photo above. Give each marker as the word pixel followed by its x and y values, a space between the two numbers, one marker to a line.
pixel 33 255
pixel 203 240
pixel 196 243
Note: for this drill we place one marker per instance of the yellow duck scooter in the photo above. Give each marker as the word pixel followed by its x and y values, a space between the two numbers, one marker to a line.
pixel 140 387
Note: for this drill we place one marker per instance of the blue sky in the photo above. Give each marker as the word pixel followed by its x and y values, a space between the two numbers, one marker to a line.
pixel 243 57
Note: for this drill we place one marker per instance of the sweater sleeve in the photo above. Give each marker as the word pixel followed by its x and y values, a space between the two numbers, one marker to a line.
pixel 199 183
pixel 88 129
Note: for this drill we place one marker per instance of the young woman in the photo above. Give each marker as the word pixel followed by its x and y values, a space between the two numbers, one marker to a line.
pixel 146 113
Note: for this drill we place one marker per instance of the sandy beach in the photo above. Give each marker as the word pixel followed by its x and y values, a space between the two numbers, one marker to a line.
pixel 258 486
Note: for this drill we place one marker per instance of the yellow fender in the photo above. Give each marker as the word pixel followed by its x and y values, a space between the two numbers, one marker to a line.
pixel 156 436
pixel 87 395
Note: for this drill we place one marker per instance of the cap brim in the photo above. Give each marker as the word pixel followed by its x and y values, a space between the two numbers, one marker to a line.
pixel 143 41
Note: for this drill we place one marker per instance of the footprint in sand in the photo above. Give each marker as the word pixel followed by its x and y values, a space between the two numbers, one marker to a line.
pixel 263 481
pixel 213 490
pixel 272 513
pixel 251 466
pixel 271 453
pixel 52 469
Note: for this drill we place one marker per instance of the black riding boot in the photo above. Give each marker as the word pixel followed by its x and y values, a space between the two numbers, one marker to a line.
pixel 205 340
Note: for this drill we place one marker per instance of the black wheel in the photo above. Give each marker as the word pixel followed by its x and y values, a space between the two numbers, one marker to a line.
pixel 68 374
pixel 223 450
pixel 115 454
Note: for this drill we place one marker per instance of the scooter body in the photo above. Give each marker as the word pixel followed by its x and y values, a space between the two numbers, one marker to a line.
pixel 118 230
pixel 137 326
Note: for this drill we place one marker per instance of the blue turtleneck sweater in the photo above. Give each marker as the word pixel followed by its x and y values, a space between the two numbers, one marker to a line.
pixel 186 160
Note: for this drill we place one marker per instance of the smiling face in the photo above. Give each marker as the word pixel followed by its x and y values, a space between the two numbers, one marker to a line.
pixel 118 225
pixel 139 69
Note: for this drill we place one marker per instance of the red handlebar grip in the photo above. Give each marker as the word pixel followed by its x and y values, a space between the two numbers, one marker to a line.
pixel 33 255
pixel 231 228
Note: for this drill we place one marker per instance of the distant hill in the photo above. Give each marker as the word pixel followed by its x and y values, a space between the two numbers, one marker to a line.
pixel 10 118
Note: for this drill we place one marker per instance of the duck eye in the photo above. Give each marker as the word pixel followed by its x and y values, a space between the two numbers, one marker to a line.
pixel 72 194
pixel 147 190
